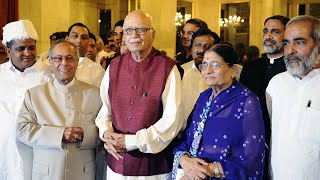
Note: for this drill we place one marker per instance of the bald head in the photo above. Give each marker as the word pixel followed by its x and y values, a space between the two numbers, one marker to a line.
pixel 138 15
pixel 138 34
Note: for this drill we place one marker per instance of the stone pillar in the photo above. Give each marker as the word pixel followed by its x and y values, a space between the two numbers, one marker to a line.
pixel 259 11
pixel 208 11
pixel 52 16
pixel 163 13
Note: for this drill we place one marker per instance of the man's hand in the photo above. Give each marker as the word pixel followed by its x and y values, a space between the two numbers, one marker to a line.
pixel 114 143
pixel 72 134
pixel 194 168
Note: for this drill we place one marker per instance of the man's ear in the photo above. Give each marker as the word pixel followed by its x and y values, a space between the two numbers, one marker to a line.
pixel 8 50
pixel 153 34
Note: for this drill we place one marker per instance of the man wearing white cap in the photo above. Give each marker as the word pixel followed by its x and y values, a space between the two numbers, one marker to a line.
pixel 17 75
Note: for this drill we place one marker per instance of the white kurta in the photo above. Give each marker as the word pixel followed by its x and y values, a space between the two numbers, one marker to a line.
pixel 192 86
pixel 88 71
pixel 155 138
pixel 103 54
pixel 16 158
pixel 294 106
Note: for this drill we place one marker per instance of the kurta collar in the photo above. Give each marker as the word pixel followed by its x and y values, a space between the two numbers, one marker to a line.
pixel 194 66
pixel 145 63
pixel 81 60
pixel 150 55
pixel 310 75
pixel 64 88
pixel 36 67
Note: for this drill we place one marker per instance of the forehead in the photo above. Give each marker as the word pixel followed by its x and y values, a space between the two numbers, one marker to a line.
pixel 79 30
pixel 118 29
pixel 136 20
pixel 91 41
pixel 300 29
pixel 204 38
pixel 63 49
pixel 24 42
pixel 190 27
pixel 274 24
pixel 212 56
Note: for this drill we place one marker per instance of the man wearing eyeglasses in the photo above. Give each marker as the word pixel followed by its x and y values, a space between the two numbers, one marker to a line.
pixel 141 94
pixel 88 71
pixel 257 74
pixel 191 26
pixel 57 120
pixel 192 81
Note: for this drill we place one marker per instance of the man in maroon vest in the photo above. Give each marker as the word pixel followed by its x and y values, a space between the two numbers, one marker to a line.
pixel 141 94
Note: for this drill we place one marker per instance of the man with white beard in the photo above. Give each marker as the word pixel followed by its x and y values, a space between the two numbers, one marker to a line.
pixel 294 104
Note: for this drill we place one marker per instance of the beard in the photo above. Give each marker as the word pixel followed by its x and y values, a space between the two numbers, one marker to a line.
pixel 300 66
pixel 273 49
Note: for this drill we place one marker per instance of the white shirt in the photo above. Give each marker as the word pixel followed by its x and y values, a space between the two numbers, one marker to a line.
pixel 294 107
pixel 16 158
pixel 88 71
pixel 103 54
pixel 192 86
pixel 44 55
pixel 155 138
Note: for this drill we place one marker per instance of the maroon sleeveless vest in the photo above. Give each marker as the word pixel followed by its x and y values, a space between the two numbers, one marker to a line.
pixel 135 91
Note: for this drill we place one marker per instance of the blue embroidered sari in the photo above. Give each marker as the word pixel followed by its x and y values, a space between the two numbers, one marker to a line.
pixel 233 133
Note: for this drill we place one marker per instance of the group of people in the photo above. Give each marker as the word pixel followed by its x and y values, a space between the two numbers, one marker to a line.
pixel 196 117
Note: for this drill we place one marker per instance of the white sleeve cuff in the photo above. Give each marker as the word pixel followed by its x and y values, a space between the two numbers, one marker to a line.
pixel 131 142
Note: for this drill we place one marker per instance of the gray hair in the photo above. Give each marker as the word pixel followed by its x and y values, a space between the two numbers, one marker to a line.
pixel 63 41
pixel 315 25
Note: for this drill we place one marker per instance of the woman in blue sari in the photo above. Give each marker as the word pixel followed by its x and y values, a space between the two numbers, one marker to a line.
pixel 224 138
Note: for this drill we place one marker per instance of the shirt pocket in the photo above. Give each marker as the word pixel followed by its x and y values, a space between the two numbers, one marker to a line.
pixel 87 117
pixel 310 122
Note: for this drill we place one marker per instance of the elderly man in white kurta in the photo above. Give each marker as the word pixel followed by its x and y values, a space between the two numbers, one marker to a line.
pixel 21 72
pixel 294 104
pixel 57 120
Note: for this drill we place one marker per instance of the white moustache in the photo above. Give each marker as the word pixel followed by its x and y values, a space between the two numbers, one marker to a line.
pixel 134 41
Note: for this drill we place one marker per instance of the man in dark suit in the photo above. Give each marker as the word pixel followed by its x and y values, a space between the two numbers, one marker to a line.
pixel 257 74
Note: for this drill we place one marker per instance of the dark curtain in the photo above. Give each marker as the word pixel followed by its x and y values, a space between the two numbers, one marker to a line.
pixel 8 12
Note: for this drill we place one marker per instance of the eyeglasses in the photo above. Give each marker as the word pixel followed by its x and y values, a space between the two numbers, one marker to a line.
pixel 214 65
pixel 189 33
pixel 140 31
pixel 59 59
